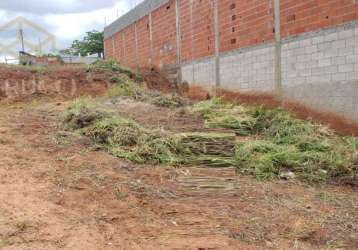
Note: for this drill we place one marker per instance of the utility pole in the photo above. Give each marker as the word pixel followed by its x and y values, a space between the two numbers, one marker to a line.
pixel 40 47
pixel 21 34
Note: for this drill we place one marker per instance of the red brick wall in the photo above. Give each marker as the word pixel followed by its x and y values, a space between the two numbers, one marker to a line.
pixel 143 37
pixel 242 23
pixel 309 15
pixel 130 57
pixel 164 34
pixel 108 51
pixel 197 30
pixel 118 47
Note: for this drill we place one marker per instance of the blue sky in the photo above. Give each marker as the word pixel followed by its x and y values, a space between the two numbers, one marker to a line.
pixel 66 19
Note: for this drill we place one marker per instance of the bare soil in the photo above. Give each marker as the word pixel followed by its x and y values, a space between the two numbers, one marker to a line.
pixel 57 191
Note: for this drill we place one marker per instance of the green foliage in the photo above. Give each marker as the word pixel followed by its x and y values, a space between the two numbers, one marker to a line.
pixel 92 43
pixel 265 160
pixel 125 87
pixel 114 67
pixel 166 100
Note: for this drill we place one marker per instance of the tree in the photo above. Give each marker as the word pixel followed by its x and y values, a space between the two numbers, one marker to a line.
pixel 92 43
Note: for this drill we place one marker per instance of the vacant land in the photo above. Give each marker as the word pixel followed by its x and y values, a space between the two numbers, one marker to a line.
pixel 69 179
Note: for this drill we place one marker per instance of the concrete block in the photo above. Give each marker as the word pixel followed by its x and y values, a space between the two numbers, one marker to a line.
pixel 324 62
pixel 305 72
pixel 345 34
pixel 352 76
pixel 306 42
pixel 298 51
pixel 320 78
pixel 317 71
pixel 345 51
pixel 330 53
pixel 304 58
pixel 324 46
pixel 339 77
pixel 339 44
pixel 345 68
pixel 338 60
pixel 352 59
pixel 331 69
pixel 356 50
pixel 311 49
pixel 317 39
pixel 331 37
pixel 353 41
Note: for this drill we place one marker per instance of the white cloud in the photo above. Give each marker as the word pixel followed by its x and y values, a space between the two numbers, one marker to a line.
pixel 66 19
pixel 54 6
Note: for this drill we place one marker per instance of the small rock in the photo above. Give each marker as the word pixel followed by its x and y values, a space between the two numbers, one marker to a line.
pixel 288 175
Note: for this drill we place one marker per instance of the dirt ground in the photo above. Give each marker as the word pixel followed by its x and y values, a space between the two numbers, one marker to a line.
pixel 58 191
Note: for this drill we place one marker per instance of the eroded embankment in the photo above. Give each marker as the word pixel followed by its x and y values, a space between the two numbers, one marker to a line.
pixel 20 83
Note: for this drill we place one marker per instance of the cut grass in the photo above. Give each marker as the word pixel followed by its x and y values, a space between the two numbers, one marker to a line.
pixel 275 141
pixel 125 138
pixel 280 142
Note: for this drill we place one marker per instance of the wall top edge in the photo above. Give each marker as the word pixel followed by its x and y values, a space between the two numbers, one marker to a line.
pixel 141 10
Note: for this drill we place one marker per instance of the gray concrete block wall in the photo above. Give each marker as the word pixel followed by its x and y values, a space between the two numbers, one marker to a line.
pixel 200 73
pixel 320 69
pixel 248 70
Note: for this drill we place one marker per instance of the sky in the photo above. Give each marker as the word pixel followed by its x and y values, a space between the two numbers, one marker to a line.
pixel 66 19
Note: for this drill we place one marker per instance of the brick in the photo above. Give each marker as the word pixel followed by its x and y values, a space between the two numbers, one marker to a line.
pixel 311 15
pixel 345 68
